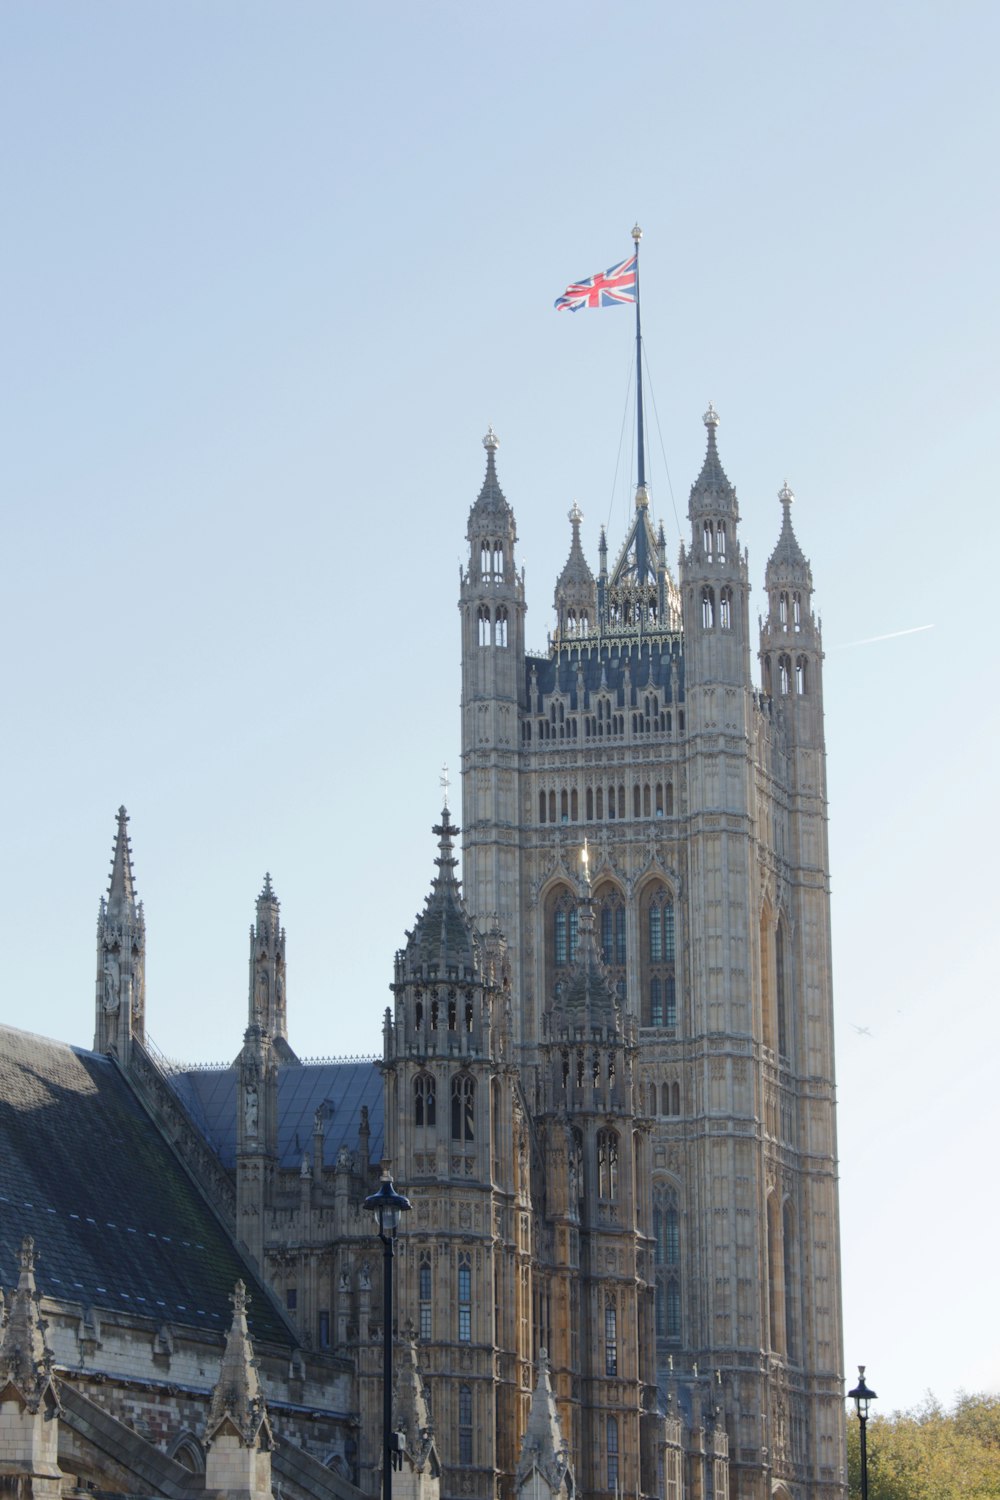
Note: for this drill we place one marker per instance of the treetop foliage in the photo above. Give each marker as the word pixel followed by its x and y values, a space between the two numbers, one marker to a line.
pixel 930 1453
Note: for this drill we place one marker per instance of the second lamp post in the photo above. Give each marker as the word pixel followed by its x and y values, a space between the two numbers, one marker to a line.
pixel 387 1205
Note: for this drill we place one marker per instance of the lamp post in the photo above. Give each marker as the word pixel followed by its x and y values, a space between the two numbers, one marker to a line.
pixel 387 1205
pixel 862 1398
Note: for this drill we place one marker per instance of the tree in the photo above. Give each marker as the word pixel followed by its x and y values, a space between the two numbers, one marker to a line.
pixel 930 1453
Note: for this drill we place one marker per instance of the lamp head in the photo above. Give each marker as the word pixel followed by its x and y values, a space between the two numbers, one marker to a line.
pixel 387 1205
pixel 861 1395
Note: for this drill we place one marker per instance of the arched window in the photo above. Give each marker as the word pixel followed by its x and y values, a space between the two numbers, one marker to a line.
pixel 720 540
pixel 659 983
pixel 800 675
pixel 484 625
pixel 775 1274
pixel 501 628
pixel 797 611
pixel 726 608
pixel 426 1298
pixel 707 607
pixel 463 1108
pixel 784 675
pixel 788 1271
pixel 675 1098
pixel 667 1262
pixel 707 539
pixel 607 1165
pixel 783 609
pixel 424 1101
pixel 779 988
pixel 464 1297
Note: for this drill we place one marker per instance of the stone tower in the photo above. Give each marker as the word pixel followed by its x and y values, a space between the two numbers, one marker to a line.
pixel 120 1001
pixel 596 1291
pixel 703 801
pixel 457 1136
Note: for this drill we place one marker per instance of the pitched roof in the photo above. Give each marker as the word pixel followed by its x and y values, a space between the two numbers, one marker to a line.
pixel 117 1222
pixel 339 1089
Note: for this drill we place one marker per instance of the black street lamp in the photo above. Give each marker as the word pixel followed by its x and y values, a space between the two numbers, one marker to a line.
pixel 862 1398
pixel 387 1205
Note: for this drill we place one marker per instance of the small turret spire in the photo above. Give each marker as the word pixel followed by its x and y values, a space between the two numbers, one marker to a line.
pixel 238 1397
pixel 121 887
pixel 25 1359
pixel 544 1452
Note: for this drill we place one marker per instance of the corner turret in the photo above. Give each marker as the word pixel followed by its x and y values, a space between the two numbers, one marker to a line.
pixel 576 590
pixel 238 1431
pixel 791 648
pixel 29 1399
pixel 267 1001
pixel 120 1009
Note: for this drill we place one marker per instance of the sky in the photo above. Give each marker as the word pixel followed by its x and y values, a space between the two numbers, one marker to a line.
pixel 270 270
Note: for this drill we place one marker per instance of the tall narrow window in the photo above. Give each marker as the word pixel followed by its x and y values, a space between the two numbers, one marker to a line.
pixel 784 675
pixel 779 988
pixel 424 1102
pixel 658 957
pixel 708 607
pixel 465 1424
pixel 667 1262
pixel 501 626
pixel 726 608
pixel 611 1443
pixel 610 1340
pixel 463 1108
pixel 800 675
pixel 484 625
pixel 426 1300
pixel 607 1164
pixel 464 1298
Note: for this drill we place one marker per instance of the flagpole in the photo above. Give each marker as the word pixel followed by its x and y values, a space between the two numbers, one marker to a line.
pixel 640 437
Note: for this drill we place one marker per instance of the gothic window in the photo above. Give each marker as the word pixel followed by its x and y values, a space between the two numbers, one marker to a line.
pixel 607 1164
pixel 797 611
pixel 609 909
pixel 542 805
pixel 720 540
pixel 800 675
pixel 484 559
pixel 501 626
pixel 464 1298
pixel 783 609
pixel 775 1274
pixel 784 674
pixel 675 1098
pixel 706 537
pixel 426 1298
pixel 590 804
pixel 463 1108
pixel 323 1329
pixel 424 1102
pixel 610 1339
pixel 658 956
pixel 726 608
pixel 552 807
pixel 788 1268
pixel 465 1424
pixel 779 988
pixel 564 805
pixel 611 1444
pixel 767 676
pixel 574 801
pixel 484 625
pixel 667 1262
pixel 707 607
pixel 637 801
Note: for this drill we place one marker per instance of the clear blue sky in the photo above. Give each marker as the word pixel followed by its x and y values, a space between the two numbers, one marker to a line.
pixel 268 273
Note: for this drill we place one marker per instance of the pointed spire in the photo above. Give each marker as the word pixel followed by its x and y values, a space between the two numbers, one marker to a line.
pixel 543 1449
pixel 588 997
pixel 787 563
pixel 491 504
pixel 121 887
pixel 712 484
pixel 25 1360
pixel 443 935
pixel 410 1410
pixel 576 589
pixel 237 1397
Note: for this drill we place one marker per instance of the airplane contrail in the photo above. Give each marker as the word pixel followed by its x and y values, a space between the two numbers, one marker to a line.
pixel 892 635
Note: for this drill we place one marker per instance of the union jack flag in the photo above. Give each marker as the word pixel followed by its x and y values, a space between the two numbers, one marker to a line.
pixel 607 289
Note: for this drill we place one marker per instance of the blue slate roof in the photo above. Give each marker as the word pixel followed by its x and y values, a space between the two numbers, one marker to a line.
pixel 649 663
pixel 117 1222
pixel 339 1088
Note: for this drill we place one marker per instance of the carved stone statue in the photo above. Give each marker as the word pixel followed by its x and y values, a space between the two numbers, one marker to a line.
pixel 250 1110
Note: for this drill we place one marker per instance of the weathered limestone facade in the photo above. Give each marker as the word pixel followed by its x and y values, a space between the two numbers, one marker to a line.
pixel 703 801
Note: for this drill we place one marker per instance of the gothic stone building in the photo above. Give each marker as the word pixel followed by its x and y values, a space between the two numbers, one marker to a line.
pixel 606 1085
